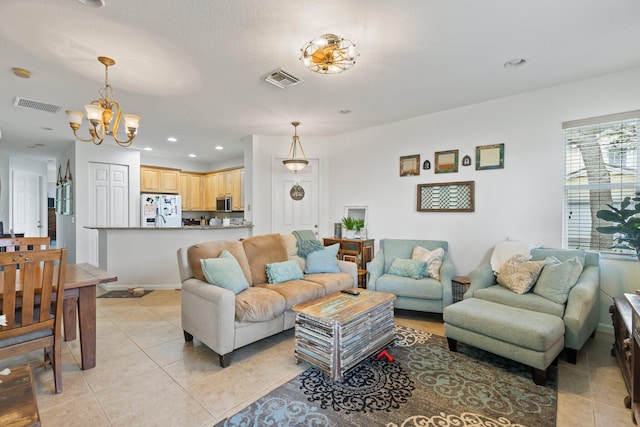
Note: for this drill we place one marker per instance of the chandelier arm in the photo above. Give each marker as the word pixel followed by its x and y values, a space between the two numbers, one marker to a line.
pixel 75 133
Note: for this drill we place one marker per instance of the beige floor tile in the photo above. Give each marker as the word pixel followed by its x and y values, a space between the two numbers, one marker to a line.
pixel 107 347
pixel 197 367
pixel 81 412
pixel 572 380
pixel 153 334
pixel 574 411
pixel 610 416
pixel 113 371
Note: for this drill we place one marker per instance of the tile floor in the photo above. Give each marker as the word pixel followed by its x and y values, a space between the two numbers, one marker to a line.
pixel 146 374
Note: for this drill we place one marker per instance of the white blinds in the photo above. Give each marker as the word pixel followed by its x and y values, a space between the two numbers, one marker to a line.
pixel 601 167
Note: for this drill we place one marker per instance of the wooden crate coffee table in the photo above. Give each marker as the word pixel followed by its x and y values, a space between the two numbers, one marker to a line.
pixel 18 407
pixel 336 332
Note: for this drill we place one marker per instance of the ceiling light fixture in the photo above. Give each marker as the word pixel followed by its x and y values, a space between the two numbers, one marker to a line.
pixel 329 54
pixel 294 162
pixel 172 139
pixel 100 113
pixel 21 72
pixel 515 62
pixel 219 147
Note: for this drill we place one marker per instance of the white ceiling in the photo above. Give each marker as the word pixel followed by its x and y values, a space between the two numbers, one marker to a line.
pixel 193 69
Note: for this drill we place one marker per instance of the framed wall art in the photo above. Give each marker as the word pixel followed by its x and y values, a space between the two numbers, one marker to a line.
pixel 446 161
pixel 446 197
pixel 410 165
pixel 490 157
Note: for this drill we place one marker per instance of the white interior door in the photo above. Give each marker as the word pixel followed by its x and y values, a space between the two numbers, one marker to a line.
pixel 26 204
pixel 108 200
pixel 288 214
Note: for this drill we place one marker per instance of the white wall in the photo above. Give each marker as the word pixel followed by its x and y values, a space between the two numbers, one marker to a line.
pixel 522 201
pixel 4 188
pixel 31 167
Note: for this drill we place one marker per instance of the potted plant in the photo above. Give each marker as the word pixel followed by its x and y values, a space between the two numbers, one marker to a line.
pixel 352 226
pixel 626 224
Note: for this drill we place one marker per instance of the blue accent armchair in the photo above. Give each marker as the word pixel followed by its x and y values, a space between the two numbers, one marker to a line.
pixel 429 295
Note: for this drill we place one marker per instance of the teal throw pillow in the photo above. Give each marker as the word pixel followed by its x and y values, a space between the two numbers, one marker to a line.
pixel 557 279
pixel 225 272
pixel 413 268
pixel 323 261
pixel 278 272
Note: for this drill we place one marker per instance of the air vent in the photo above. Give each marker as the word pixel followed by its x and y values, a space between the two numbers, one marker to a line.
pixel 282 78
pixel 36 105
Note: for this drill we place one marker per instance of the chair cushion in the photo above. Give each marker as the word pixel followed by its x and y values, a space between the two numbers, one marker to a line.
pixel 225 272
pixel 412 268
pixel 24 338
pixel 278 272
pixel 557 278
pixel 528 301
pixel 560 254
pixel 520 275
pixel 504 251
pixel 213 250
pixel 428 288
pixel 432 258
pixel 256 304
pixel 403 248
pixel 296 291
pixel 260 251
pixel 323 260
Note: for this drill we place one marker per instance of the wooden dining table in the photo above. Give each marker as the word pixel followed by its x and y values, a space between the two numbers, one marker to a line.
pixel 80 297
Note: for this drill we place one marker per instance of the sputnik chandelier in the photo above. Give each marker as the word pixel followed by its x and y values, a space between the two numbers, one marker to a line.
pixel 329 54
pixel 101 111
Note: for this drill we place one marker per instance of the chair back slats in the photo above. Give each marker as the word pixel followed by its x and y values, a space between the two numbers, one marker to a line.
pixel 30 288
pixel 18 244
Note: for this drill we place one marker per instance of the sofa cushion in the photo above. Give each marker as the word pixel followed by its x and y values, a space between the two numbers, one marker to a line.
pixel 520 275
pixel 323 260
pixel 290 244
pixel 225 272
pixel 296 291
pixel 278 272
pixel 412 268
pixel 332 282
pixel 432 258
pixel 560 254
pixel 528 301
pixel 260 251
pixel 213 250
pixel 505 250
pixel 428 288
pixel 403 248
pixel 557 278
pixel 256 304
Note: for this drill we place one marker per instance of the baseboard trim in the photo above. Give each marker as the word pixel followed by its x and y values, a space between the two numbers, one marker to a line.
pixel 116 287
pixel 605 327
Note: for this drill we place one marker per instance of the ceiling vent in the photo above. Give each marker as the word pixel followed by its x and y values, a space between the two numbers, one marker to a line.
pixel 282 78
pixel 36 105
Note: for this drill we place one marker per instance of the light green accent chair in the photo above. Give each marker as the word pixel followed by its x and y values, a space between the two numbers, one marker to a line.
pixel 428 295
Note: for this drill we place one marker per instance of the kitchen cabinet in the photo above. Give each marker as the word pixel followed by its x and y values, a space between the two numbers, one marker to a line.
pixel 210 191
pixel 224 183
pixel 184 191
pixel 191 191
pixel 159 180
pixel 237 189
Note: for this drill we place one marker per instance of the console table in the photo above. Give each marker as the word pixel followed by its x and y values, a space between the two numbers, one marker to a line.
pixel 621 349
pixel 634 301
pixel 363 248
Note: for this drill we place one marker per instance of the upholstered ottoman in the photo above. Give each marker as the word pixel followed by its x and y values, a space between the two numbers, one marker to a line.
pixel 532 338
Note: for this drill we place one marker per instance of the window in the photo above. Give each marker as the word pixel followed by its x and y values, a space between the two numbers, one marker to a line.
pixel 601 167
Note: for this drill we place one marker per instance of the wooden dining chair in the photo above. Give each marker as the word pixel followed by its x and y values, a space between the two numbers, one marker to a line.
pixel 17 244
pixel 32 297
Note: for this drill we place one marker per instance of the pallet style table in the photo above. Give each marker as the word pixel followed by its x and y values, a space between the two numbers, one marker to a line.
pixel 18 407
pixel 336 332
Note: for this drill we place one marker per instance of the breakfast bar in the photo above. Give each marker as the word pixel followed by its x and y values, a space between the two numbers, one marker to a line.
pixel 146 256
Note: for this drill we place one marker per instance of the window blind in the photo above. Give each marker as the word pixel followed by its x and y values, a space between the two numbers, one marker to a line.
pixel 601 167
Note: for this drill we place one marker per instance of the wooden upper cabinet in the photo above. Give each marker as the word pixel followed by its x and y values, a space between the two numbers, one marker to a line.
pixel 184 191
pixel 237 189
pixel 210 191
pixel 159 180
pixel 195 192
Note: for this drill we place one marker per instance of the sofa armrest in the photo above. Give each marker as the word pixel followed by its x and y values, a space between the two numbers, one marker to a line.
pixel 582 311
pixel 208 313
pixel 351 268
pixel 446 274
pixel 375 267
pixel 481 277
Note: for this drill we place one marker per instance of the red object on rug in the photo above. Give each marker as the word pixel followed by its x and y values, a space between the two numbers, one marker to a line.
pixel 384 353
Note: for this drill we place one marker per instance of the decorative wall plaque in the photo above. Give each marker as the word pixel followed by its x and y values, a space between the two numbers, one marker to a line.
pixel 446 197
pixel 297 192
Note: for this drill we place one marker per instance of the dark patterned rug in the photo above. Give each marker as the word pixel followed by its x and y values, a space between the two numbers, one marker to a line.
pixel 426 385
pixel 123 294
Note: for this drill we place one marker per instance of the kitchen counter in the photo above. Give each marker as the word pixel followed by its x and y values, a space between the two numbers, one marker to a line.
pixel 147 256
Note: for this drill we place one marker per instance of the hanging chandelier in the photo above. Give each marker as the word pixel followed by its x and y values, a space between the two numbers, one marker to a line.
pixel 294 162
pixel 329 54
pixel 101 111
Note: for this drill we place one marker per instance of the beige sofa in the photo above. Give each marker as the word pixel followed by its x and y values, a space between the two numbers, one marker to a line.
pixel 225 321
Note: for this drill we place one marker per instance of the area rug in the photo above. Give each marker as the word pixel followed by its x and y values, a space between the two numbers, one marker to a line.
pixel 426 385
pixel 123 294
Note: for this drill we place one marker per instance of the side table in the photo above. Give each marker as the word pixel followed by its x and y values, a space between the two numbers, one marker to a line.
pixel 18 407
pixel 459 285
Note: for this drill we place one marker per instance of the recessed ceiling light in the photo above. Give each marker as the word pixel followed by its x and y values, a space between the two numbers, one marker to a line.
pixel 148 149
pixel 515 62
pixel 172 139
pixel 192 155
pixel 219 147
pixel 92 3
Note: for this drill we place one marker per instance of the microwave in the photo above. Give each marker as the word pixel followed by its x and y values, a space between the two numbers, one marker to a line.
pixel 223 204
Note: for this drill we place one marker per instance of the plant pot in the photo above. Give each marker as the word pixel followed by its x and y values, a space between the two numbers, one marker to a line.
pixel 350 234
